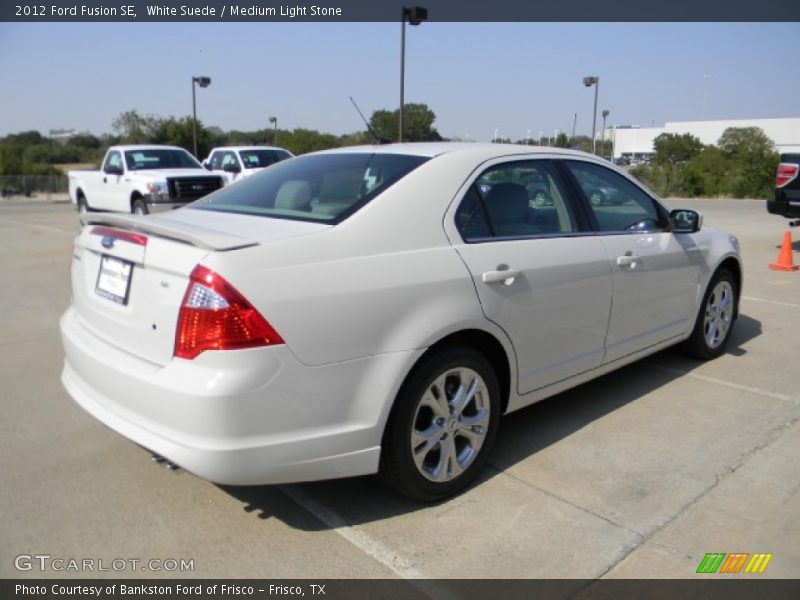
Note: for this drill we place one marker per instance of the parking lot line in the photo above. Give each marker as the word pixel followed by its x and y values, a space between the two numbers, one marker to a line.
pixel 752 299
pixel 729 384
pixel 363 541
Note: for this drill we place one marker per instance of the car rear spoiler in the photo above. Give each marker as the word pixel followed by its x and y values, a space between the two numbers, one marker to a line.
pixel 207 239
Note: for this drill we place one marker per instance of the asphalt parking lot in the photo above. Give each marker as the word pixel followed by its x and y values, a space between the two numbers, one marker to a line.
pixel 638 474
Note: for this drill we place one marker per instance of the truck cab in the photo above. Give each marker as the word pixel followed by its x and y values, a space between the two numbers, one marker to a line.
pixel 237 162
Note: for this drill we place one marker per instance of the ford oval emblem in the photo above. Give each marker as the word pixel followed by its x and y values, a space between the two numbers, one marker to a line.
pixel 107 241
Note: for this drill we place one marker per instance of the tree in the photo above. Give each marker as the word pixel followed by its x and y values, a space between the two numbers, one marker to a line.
pixel 562 141
pixel 753 160
pixel 134 128
pixel 674 149
pixel 417 124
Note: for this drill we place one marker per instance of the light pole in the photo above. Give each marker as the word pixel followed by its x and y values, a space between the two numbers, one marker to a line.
pixel 274 121
pixel 593 80
pixel 414 15
pixel 528 137
pixel 202 82
pixel 605 114
pixel 539 143
pixel 494 139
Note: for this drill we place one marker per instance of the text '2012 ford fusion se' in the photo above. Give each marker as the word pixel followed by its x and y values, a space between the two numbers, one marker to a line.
pixel 376 309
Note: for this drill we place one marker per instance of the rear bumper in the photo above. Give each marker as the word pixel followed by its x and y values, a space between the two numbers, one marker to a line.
pixel 786 203
pixel 241 417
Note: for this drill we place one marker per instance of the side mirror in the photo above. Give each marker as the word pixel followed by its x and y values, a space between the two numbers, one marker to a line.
pixel 207 166
pixel 683 220
pixel 112 170
pixel 231 168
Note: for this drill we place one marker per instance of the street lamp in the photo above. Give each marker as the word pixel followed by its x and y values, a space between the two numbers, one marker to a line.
pixel 494 139
pixel 593 80
pixel 202 82
pixel 274 121
pixel 414 15
pixel 605 114
pixel 528 137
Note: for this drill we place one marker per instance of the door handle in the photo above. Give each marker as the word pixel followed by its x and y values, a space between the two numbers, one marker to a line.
pixel 105 180
pixel 628 260
pixel 505 276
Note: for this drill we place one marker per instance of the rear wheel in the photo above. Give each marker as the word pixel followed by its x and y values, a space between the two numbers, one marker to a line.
pixel 714 324
pixel 139 207
pixel 442 426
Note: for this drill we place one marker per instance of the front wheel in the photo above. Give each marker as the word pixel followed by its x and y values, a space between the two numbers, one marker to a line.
pixel 83 206
pixel 139 207
pixel 714 324
pixel 442 426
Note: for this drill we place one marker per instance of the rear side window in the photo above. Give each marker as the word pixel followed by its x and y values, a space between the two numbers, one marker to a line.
pixel 323 188
pixel 517 199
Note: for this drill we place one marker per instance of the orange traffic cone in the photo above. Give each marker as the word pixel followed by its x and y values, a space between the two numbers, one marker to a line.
pixel 785 256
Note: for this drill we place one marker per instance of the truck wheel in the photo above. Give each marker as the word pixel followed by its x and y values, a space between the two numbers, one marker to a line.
pixel 442 426
pixel 83 206
pixel 139 207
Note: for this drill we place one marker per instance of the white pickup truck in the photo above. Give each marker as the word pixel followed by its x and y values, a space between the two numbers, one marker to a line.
pixel 141 180
pixel 237 162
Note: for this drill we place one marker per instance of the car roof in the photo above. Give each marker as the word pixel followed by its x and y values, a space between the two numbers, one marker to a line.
pixel 239 148
pixel 129 147
pixel 432 149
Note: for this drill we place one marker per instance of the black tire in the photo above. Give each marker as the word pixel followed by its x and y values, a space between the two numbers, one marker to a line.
pixel 456 367
pixel 720 304
pixel 83 206
pixel 139 207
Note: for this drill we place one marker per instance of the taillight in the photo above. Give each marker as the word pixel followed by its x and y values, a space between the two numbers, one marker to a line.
pixel 119 234
pixel 215 316
pixel 786 173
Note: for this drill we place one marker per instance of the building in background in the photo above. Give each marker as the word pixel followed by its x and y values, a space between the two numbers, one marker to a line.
pixel 635 144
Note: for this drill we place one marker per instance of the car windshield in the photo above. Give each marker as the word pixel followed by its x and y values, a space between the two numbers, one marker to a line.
pixel 321 188
pixel 258 159
pixel 160 158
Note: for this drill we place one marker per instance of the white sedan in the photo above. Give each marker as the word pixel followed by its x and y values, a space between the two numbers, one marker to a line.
pixel 376 309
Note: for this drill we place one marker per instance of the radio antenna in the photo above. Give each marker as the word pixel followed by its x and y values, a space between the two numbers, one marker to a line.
pixel 378 140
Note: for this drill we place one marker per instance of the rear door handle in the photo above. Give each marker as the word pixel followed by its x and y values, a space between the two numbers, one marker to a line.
pixel 628 260
pixel 505 276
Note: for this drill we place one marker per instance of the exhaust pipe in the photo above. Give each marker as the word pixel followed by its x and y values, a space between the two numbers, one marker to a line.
pixel 158 459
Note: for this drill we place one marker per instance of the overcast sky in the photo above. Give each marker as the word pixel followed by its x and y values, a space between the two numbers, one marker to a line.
pixel 477 77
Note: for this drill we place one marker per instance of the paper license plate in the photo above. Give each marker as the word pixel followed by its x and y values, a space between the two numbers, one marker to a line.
pixel 114 279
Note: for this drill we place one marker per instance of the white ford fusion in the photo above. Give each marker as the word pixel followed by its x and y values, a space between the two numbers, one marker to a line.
pixel 376 309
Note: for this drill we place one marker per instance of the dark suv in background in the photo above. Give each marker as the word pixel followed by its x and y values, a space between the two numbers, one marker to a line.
pixel 787 188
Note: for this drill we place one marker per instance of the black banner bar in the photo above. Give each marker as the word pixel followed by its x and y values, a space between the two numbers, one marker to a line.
pixel 381 10
pixel 705 587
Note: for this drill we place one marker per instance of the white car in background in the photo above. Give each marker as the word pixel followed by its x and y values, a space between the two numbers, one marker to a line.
pixel 237 162
pixel 376 309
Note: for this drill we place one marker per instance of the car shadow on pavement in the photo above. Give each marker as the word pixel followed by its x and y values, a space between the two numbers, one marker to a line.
pixel 359 500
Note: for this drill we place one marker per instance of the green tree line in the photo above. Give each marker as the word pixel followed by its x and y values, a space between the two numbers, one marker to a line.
pixel 740 165
pixel 31 153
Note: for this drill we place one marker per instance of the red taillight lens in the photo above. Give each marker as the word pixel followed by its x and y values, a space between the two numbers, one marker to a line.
pixel 786 173
pixel 215 316
pixel 119 234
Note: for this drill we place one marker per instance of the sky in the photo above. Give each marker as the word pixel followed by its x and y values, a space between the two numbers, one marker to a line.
pixel 515 78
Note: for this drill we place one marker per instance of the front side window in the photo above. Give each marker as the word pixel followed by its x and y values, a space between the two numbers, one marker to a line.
pixel 216 161
pixel 113 162
pixel 324 188
pixel 618 205
pixel 516 199
pixel 229 161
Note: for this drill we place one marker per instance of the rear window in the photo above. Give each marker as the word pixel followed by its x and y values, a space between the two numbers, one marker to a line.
pixel 790 158
pixel 323 188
